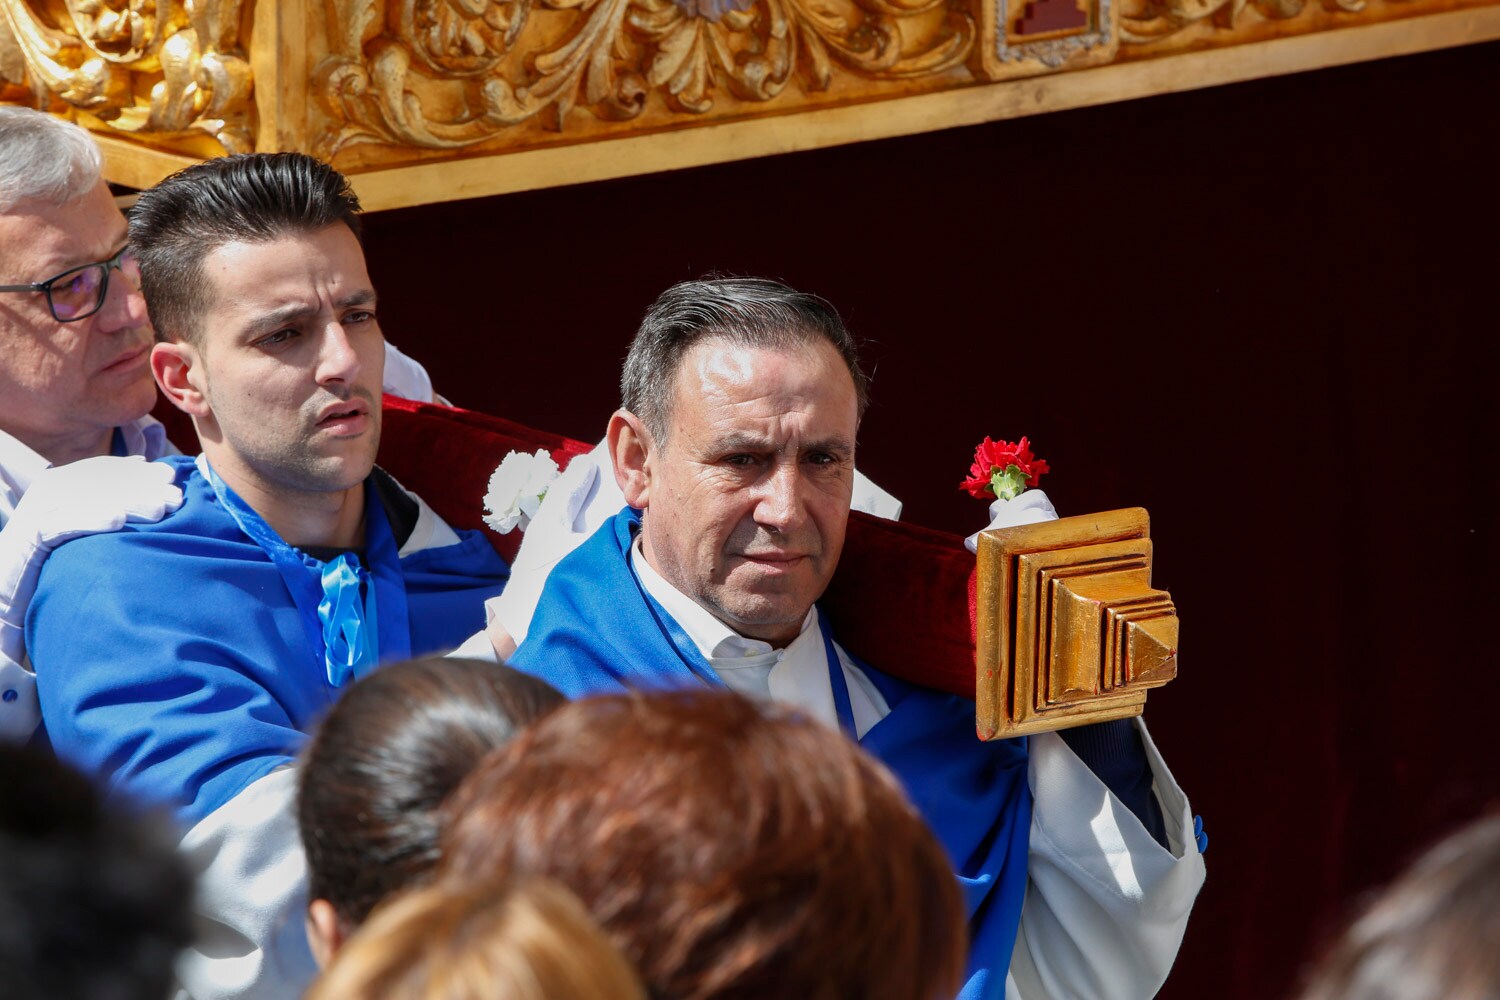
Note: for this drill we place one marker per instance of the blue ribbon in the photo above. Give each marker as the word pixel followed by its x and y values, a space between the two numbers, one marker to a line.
pixel 350 646
pixel 336 600
pixel 837 681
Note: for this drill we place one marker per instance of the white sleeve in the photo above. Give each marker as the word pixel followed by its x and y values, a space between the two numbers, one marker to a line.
pixel 476 647
pixel 872 499
pixel 251 941
pixel 1106 906
pixel 578 502
pixel 405 377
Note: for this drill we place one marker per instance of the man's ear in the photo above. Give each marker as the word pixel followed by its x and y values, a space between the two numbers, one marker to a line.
pixel 179 372
pixel 632 450
pixel 325 934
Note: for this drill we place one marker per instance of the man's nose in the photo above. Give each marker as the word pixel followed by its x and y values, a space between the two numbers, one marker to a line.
pixel 782 506
pixel 124 306
pixel 337 359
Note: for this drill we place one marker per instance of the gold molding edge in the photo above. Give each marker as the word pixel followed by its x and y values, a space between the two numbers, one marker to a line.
pixel 528 170
pixel 201 105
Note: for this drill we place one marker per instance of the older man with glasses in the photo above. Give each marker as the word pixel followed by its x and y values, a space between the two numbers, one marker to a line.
pixel 75 375
pixel 75 343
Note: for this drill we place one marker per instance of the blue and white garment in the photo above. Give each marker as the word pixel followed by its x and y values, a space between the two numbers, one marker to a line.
pixel 174 660
pixel 19 467
pixel 1035 837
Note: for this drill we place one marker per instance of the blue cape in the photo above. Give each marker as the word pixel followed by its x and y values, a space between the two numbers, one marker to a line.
pixel 597 631
pixel 172 661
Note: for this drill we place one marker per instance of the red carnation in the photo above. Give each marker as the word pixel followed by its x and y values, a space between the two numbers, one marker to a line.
pixel 1002 469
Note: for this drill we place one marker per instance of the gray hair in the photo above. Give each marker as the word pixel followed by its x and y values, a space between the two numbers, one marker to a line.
pixel 755 312
pixel 43 158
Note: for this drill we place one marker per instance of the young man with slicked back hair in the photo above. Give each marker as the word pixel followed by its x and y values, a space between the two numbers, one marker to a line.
pixel 75 374
pixel 184 661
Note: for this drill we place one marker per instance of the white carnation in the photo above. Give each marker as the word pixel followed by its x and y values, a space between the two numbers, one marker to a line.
pixel 516 490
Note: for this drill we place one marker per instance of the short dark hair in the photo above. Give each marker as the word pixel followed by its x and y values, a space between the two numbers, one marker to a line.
pixel 1432 935
pixel 95 903
pixel 730 849
pixel 376 773
pixel 248 198
pixel 756 312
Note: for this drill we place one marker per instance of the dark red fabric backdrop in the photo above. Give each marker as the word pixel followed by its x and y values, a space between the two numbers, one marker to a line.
pixel 1264 312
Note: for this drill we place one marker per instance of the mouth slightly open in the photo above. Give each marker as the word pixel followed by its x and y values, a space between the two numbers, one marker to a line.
pixel 345 419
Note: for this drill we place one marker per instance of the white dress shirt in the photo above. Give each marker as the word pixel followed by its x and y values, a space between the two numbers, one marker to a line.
pixel 796 674
pixel 20 465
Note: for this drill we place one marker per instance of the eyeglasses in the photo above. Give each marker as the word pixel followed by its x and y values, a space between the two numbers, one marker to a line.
pixel 79 293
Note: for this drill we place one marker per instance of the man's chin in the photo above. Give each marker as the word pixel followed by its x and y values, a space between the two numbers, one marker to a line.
pixel 761 617
pixel 335 473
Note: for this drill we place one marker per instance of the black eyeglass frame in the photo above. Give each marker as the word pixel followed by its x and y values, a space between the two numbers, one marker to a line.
pixel 45 287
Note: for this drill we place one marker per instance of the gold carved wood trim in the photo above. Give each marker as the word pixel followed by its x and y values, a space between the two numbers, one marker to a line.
pixel 531 169
pixel 166 68
pixel 434 100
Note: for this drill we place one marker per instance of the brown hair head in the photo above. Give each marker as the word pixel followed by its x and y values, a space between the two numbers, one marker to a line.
pixel 730 850
pixel 480 942
pixel 375 775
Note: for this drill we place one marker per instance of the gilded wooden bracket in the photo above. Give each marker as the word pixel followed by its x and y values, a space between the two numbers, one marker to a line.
pixel 1070 630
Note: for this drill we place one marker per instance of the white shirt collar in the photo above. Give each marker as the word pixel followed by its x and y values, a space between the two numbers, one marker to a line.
pixel 796 675
pixel 146 437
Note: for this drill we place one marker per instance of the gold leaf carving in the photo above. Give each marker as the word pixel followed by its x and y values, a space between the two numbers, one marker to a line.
pixel 143 66
pixel 1152 20
pixel 446 74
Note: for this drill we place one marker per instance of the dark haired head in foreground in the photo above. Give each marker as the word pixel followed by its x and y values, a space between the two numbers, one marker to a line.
pixel 1433 935
pixel 532 941
pixel 378 769
pixel 729 850
pixel 94 903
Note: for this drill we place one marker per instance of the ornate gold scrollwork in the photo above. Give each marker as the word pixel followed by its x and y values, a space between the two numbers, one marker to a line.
pixel 144 66
pixel 450 73
pixel 1152 20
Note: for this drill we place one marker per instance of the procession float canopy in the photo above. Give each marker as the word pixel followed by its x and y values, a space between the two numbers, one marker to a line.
pixel 421 101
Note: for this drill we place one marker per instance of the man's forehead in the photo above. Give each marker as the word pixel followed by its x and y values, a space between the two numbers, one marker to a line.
pixel 720 366
pixel 293 264
pixel 737 394
pixel 45 236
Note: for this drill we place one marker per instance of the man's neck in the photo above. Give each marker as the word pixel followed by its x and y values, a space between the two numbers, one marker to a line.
pixel 63 449
pixel 303 518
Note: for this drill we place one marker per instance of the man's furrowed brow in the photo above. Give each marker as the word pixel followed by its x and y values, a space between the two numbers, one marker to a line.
pixel 839 446
pixel 743 441
pixel 295 312
pixel 756 444
pixel 287 315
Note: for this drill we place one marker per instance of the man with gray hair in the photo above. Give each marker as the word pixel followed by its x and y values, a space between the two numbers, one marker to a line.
pixel 75 377
pixel 734 450
pixel 75 342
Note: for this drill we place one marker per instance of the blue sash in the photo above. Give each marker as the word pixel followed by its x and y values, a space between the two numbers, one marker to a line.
pixel 597 631
pixel 337 601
